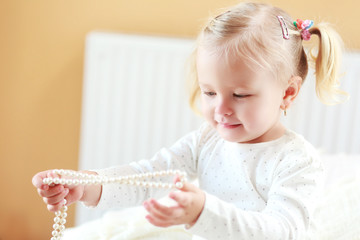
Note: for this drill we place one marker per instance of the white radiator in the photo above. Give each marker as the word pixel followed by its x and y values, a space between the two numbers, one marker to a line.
pixel 134 103
pixel 134 100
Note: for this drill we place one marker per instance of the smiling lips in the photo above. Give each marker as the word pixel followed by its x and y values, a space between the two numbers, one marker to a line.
pixel 229 126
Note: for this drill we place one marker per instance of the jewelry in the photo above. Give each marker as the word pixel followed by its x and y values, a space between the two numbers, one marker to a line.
pixel 285 112
pixel 59 222
pixel 78 178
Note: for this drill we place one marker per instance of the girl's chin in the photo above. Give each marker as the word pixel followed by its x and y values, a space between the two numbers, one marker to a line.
pixel 233 134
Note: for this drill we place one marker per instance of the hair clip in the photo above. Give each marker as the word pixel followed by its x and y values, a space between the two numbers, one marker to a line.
pixel 304 26
pixel 284 28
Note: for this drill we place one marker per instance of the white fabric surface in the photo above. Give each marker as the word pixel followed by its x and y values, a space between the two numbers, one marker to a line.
pixel 338 214
pixel 127 224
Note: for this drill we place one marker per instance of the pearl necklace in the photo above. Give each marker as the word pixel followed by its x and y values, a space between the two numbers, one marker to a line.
pixel 78 178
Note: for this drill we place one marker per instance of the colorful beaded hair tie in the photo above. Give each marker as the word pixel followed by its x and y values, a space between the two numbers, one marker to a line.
pixel 78 178
pixel 303 26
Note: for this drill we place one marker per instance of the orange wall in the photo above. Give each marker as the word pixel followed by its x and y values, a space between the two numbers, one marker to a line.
pixel 41 59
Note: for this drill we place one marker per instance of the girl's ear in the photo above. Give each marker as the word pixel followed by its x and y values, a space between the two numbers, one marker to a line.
pixel 291 91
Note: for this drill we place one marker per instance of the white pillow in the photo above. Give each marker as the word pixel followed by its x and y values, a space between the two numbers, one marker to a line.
pixel 338 215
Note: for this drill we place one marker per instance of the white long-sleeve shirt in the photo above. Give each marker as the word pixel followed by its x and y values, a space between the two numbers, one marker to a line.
pixel 253 191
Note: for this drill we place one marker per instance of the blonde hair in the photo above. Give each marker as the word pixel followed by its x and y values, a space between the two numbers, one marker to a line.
pixel 252 32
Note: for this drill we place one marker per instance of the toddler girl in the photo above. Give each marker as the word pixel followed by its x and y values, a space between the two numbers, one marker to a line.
pixel 257 179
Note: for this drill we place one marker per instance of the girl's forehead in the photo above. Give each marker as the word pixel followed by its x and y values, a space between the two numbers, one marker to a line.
pixel 232 71
pixel 224 57
pixel 210 61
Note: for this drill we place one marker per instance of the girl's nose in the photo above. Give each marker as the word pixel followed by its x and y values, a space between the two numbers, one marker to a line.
pixel 223 108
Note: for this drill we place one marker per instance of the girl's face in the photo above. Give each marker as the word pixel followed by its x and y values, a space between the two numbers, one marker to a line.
pixel 242 104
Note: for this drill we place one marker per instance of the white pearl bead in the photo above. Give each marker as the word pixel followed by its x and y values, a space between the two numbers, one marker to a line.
pixel 179 185
pixel 55 233
pixel 56 226
pixel 69 182
pixel 56 219
pixel 62 181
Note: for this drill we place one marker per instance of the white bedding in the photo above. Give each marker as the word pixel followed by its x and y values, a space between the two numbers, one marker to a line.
pixel 127 224
pixel 338 216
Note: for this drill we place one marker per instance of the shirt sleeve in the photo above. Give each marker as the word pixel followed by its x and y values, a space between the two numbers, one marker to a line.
pixel 287 214
pixel 181 156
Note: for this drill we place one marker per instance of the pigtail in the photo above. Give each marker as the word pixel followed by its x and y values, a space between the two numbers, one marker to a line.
pixel 192 82
pixel 327 64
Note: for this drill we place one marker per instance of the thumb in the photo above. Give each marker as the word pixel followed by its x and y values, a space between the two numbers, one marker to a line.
pixel 188 187
pixel 183 185
pixel 37 180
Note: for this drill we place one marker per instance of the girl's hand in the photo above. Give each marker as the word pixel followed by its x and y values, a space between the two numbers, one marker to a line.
pixel 189 205
pixel 55 194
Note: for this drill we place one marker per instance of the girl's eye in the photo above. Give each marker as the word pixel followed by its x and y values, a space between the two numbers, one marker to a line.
pixel 241 95
pixel 210 94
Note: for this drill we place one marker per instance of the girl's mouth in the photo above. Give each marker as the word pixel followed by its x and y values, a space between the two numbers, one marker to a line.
pixel 229 126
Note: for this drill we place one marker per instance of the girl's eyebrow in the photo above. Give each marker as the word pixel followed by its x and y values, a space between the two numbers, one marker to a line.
pixel 205 85
pixel 244 87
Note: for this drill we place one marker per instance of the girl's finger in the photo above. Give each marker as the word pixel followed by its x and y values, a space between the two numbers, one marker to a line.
pixel 57 198
pixel 158 222
pixel 51 191
pixel 37 180
pixel 153 211
pixel 188 187
pixel 55 207
pixel 180 197
pixel 160 208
